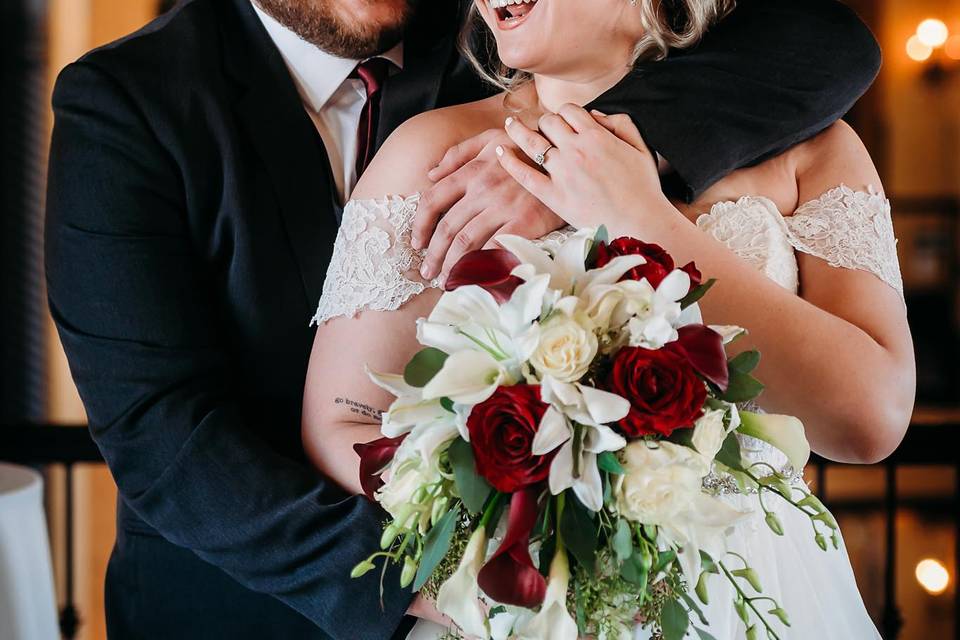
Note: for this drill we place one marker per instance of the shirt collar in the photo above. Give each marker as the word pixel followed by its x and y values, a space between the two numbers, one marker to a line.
pixel 317 74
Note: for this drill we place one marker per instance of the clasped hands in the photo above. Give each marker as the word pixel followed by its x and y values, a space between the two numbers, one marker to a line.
pixel 596 170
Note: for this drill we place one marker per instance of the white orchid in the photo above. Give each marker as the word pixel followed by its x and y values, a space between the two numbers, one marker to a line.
pixel 459 596
pixel 553 621
pixel 575 464
pixel 415 465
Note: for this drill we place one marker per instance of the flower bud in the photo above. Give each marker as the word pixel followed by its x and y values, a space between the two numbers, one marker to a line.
pixel 774 523
pixel 741 607
pixel 821 541
pixel 835 539
pixel 702 592
pixel 812 501
pixel 750 576
pixel 753 633
pixel 389 535
pixel 439 509
pixel 780 613
pixel 362 568
pixel 827 518
pixel 409 572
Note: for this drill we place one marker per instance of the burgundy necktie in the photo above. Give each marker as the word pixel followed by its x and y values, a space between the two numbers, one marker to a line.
pixel 373 73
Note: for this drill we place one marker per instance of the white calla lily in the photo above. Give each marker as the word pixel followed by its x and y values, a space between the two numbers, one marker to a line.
pixel 553 621
pixel 459 596
pixel 467 377
pixel 786 433
pixel 728 332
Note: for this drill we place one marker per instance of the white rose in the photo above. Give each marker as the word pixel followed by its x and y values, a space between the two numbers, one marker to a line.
pixel 565 350
pixel 660 481
pixel 709 433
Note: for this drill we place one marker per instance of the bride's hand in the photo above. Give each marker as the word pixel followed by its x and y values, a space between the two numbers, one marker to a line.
pixel 596 168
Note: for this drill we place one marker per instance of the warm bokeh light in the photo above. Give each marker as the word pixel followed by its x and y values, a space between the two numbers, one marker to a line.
pixel 932 576
pixel 917 50
pixel 932 32
pixel 952 48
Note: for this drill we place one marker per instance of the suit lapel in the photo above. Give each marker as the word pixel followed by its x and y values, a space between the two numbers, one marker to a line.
pixel 272 115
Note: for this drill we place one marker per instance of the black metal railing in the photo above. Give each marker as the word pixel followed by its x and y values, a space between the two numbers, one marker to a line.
pixel 927 443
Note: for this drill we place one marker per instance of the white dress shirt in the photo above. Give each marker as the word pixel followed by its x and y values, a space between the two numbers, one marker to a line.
pixel 333 100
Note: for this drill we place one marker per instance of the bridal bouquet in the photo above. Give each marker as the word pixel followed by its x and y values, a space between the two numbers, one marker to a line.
pixel 547 463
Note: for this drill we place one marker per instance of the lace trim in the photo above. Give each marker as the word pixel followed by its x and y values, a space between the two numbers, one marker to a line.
pixel 849 229
pixel 371 259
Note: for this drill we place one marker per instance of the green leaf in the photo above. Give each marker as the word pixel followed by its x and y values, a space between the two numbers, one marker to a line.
pixel 602 235
pixel 694 607
pixel 742 387
pixel 421 369
pixel 608 462
pixel 635 571
pixel 697 293
pixel 664 560
pixel 745 362
pixel 674 620
pixel 729 453
pixel 581 611
pixel 579 531
pixel 472 487
pixel 497 610
pixel 703 634
pixel 622 542
pixel 436 545
pixel 447 404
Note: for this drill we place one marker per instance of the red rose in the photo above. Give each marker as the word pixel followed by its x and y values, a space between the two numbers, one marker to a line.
pixel 501 434
pixel 658 266
pixel 662 386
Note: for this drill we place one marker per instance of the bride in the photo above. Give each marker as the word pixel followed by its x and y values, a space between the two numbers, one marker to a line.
pixel 802 248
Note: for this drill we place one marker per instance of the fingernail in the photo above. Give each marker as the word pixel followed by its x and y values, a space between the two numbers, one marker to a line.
pixel 598 113
pixel 425 272
pixel 509 121
pixel 499 150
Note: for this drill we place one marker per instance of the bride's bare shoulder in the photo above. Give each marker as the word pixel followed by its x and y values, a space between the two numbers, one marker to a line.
pixel 401 165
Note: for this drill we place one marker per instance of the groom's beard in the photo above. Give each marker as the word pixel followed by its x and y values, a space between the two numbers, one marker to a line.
pixel 329 25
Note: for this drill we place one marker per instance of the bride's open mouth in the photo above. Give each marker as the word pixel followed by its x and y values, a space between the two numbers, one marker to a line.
pixel 511 13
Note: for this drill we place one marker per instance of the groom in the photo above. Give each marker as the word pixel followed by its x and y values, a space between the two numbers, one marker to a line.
pixel 197 173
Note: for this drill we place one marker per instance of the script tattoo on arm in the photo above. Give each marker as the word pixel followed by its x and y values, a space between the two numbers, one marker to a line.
pixel 360 408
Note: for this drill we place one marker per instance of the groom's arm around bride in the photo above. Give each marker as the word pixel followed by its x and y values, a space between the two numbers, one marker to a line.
pixel 192 209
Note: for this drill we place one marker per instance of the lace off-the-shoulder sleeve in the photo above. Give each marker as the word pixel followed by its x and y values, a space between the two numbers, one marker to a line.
pixel 849 229
pixel 374 265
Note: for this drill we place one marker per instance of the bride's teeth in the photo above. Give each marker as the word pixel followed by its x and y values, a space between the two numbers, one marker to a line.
pixel 500 4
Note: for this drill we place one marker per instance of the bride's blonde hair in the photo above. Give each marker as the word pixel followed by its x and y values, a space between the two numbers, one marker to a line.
pixel 669 24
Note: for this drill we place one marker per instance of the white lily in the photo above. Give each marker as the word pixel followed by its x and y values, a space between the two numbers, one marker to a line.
pixel 459 596
pixel 786 433
pixel 467 377
pixel 409 409
pixel 567 270
pixel 553 622
pixel 592 409
pixel 652 315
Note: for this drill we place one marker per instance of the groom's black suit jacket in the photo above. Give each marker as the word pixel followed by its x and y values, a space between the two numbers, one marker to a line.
pixel 190 221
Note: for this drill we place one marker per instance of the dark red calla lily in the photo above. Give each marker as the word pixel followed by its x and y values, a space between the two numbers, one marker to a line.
pixel 509 577
pixel 704 349
pixel 487 268
pixel 374 458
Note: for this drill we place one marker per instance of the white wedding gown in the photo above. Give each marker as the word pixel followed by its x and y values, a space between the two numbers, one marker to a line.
pixel 848 229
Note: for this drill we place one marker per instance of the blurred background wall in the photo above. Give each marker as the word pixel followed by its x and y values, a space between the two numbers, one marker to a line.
pixel 910 121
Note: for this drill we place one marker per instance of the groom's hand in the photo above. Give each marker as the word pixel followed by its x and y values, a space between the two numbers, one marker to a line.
pixel 472 200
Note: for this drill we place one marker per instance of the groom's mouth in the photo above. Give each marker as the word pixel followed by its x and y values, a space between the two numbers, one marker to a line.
pixel 510 13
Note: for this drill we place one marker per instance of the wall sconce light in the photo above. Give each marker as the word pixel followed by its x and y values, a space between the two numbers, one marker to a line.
pixel 934 47
pixel 932 576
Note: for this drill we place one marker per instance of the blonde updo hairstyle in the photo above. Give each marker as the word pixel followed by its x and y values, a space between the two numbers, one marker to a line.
pixel 668 24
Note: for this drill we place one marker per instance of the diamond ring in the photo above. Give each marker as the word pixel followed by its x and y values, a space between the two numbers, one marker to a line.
pixel 540 158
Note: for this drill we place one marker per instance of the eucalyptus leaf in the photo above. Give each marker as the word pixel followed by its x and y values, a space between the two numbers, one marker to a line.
pixel 674 620
pixel 742 387
pixel 622 541
pixel 472 487
pixel 424 366
pixel 694 607
pixel 729 453
pixel 703 634
pixel 634 571
pixel 436 545
pixel 579 531
pixel 697 293
pixel 608 462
